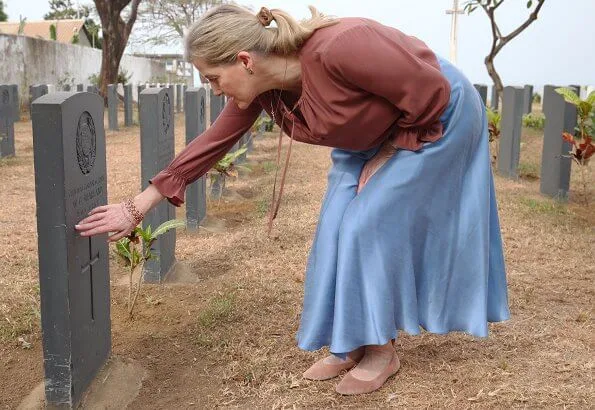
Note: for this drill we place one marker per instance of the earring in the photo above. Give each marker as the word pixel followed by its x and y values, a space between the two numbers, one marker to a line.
pixel 250 71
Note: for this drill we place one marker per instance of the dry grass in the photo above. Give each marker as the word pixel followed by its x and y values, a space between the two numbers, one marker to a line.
pixel 228 340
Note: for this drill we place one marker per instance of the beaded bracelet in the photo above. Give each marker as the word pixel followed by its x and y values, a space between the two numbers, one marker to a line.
pixel 136 215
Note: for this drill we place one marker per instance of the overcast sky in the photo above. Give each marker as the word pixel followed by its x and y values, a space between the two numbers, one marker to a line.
pixel 548 52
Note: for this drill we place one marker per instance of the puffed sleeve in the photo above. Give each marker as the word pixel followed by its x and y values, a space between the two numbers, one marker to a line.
pixel 204 151
pixel 400 68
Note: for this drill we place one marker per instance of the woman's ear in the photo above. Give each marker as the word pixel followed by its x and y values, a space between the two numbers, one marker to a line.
pixel 245 58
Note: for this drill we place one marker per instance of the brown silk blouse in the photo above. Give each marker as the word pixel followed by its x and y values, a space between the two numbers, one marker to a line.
pixel 362 82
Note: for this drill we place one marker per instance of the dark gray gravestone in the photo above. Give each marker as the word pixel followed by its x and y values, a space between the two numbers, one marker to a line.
pixel 576 88
pixel 494 101
pixel 70 180
pixel 216 105
pixel 6 123
pixel 179 97
pixel 80 88
pixel 16 102
pixel 128 105
pixel 157 151
pixel 139 89
pixel 36 91
pixel 560 117
pixel 112 106
pixel 172 93
pixel 510 136
pixel 196 123
pixel 527 99
pixel 92 89
pixel 482 89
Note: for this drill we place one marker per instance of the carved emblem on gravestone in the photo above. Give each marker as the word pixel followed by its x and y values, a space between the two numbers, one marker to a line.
pixel 5 97
pixel 165 114
pixel 86 143
pixel 202 109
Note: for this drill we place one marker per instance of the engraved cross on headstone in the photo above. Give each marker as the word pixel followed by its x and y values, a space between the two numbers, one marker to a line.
pixel 88 267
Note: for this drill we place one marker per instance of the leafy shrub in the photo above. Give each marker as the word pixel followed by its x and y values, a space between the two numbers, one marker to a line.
pixel 535 121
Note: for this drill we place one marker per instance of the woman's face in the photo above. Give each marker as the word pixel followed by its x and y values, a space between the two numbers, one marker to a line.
pixel 232 80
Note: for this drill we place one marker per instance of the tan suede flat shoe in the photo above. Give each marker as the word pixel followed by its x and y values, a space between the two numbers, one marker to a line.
pixel 325 371
pixel 351 385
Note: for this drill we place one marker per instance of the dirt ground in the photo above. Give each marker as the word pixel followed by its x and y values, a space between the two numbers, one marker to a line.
pixel 227 340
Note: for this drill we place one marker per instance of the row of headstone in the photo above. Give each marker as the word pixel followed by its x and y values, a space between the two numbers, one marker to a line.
pixel 70 180
pixel 494 100
pixel 560 117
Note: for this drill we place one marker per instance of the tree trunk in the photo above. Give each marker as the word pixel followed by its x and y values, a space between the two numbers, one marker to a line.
pixel 115 37
pixel 497 81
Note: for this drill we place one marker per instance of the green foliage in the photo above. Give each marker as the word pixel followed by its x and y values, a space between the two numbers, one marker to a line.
pixel 585 110
pixel 130 255
pixel 494 120
pixel 3 15
pixel 123 77
pixel 545 206
pixel 53 34
pixel 227 166
pixel 535 121
pixel 528 170
pixel 65 10
pixel 220 309
pixel 263 123
pixel 537 98
pixel 75 38
pixel 22 22
pixel 135 249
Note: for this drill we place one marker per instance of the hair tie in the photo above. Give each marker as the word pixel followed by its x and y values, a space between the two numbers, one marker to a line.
pixel 265 16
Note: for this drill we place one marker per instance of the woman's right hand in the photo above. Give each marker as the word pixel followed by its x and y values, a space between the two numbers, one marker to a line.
pixel 114 219
pixel 117 219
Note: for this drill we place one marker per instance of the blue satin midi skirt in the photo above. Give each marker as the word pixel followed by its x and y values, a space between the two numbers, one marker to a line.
pixel 418 247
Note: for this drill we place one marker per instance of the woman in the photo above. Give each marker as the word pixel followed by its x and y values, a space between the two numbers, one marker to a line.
pixel 408 233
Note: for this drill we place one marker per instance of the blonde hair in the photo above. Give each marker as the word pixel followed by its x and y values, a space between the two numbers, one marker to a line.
pixel 226 30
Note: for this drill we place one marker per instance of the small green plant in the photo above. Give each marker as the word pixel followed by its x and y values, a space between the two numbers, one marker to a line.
pixel 227 167
pixel 263 124
pixel 535 121
pixel 536 98
pixel 53 34
pixel 135 249
pixel 75 38
pixel 123 77
pixel 220 309
pixel 582 139
pixel 528 170
pixel 494 120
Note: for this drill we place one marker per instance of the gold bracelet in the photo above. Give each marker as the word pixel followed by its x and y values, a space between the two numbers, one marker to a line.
pixel 136 215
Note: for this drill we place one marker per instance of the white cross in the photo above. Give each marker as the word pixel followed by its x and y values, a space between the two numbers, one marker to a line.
pixel 453 30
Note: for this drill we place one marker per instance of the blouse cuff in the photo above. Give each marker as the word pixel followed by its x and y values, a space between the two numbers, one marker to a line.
pixel 412 139
pixel 170 185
